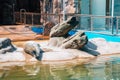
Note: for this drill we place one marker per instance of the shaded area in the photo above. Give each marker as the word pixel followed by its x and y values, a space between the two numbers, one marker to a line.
pixel 6 13
pixel 9 7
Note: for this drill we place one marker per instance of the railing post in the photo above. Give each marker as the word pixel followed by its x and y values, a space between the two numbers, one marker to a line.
pixel 91 23
pixel 24 18
pixel 22 10
pixel 114 26
pixel 117 25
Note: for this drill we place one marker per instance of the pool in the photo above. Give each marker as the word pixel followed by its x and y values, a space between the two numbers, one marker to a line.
pixel 102 70
pixel 112 38
pixel 94 34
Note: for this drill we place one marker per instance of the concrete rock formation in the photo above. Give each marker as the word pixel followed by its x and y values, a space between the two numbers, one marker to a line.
pixel 59 38
pixel 76 41
pixel 48 27
pixel 62 29
pixel 6 46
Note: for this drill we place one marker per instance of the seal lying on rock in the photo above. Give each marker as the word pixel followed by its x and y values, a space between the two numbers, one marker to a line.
pixel 33 49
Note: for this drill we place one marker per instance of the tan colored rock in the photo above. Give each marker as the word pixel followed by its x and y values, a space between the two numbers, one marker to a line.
pixel 48 27
pixel 76 41
pixel 62 29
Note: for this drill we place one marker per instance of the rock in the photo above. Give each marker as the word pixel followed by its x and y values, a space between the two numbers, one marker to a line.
pixel 60 38
pixel 33 49
pixel 6 46
pixel 62 29
pixel 48 27
pixel 76 41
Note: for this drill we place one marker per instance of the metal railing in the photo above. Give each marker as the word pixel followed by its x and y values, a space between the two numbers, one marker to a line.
pixel 36 18
pixel 22 16
pixel 102 24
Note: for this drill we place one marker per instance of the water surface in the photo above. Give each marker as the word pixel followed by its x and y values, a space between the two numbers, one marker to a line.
pixel 101 68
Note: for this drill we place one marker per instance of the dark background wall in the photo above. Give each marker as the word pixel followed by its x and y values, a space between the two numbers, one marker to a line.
pixel 8 7
pixel 29 5
pixel 6 13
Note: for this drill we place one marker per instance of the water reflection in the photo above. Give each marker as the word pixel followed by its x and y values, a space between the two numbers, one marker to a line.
pixel 108 69
pixel 31 69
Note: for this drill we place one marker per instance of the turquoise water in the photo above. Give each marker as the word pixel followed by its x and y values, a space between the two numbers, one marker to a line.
pixel 111 38
pixel 108 68
pixel 94 34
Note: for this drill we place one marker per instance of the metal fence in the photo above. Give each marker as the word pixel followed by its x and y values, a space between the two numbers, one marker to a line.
pixel 102 24
pixel 36 18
